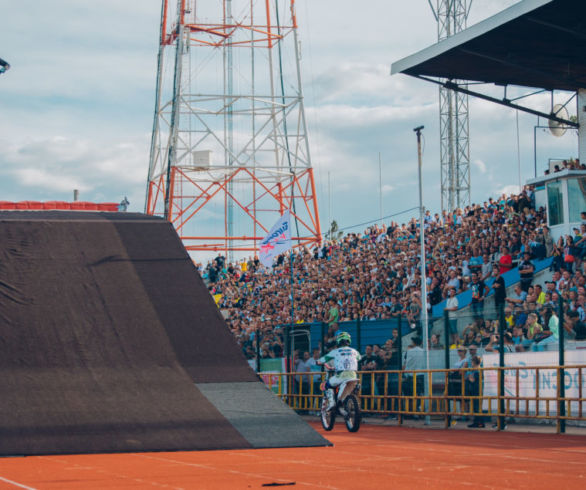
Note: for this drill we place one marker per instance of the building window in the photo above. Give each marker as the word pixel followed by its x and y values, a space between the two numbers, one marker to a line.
pixel 576 198
pixel 555 204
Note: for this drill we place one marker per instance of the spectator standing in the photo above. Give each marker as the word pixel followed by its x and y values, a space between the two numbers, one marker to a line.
pixel 472 352
pixel 479 291
pixel 526 271
pixel 435 293
pixel 414 361
pixel 453 280
pixel 391 362
pixel 315 368
pixel 475 263
pixel 333 313
pixel 473 377
pixel 303 365
pixel 368 363
pixel 487 267
pixel 569 254
pixel 457 376
pixel 505 260
pixel 547 241
pixel 580 245
pixel 414 312
pixel 500 291
pixel 452 308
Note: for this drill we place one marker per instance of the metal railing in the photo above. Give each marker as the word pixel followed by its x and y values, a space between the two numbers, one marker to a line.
pixel 520 392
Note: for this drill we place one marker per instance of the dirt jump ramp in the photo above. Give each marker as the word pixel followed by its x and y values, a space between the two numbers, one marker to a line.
pixel 110 342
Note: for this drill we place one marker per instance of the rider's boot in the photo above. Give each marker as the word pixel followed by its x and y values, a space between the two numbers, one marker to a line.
pixel 330 397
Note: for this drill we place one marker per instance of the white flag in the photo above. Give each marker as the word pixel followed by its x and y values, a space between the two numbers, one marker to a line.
pixel 277 241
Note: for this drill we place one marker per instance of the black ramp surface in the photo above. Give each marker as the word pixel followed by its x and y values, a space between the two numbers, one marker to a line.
pixel 104 324
pixel 208 352
pixel 279 426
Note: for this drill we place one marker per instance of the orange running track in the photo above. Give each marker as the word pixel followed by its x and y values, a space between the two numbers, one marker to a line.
pixel 383 456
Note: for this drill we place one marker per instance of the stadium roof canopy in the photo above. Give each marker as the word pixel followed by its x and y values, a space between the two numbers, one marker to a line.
pixel 534 43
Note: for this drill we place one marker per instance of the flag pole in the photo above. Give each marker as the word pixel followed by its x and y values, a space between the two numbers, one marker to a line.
pixel 292 299
pixel 276 244
pixel 291 264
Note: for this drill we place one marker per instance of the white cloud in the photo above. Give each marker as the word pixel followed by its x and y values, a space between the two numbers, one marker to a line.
pixel 50 169
pixel 347 115
pixel 480 165
pixel 77 105
pixel 35 177
pixel 508 189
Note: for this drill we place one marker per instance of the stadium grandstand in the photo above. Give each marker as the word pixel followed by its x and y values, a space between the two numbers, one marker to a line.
pixel 375 275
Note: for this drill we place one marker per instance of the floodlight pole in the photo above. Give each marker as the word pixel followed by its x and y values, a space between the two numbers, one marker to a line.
pixel 380 188
pixel 423 275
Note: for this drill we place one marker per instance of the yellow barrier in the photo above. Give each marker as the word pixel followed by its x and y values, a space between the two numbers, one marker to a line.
pixel 530 392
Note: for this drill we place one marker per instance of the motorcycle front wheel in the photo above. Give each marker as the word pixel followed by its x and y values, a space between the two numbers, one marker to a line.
pixel 352 417
pixel 328 417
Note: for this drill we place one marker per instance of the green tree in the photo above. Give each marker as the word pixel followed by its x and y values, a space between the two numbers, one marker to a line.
pixel 334 233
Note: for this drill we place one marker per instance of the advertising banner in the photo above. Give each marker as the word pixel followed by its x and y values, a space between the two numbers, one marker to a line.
pixel 532 384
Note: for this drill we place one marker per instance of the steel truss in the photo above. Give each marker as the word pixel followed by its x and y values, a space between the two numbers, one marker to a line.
pixel 451 16
pixel 505 101
pixel 244 148
pixel 192 190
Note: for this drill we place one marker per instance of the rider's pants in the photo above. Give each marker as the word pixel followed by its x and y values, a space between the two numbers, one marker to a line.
pixel 338 379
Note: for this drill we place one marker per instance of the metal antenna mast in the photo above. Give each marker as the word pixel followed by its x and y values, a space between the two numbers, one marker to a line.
pixel 229 130
pixel 451 16
pixel 229 149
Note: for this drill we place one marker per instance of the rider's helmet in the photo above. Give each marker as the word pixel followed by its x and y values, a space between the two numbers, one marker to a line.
pixel 343 338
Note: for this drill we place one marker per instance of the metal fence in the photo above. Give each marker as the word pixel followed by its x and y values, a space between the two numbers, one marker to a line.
pixel 521 349
pixel 479 395
pixel 484 328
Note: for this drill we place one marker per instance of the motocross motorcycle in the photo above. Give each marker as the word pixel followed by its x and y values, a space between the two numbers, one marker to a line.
pixel 346 405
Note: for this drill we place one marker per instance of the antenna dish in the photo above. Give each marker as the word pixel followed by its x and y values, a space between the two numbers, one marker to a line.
pixel 4 66
pixel 555 127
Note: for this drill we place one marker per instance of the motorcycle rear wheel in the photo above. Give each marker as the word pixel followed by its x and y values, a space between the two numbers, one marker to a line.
pixel 353 416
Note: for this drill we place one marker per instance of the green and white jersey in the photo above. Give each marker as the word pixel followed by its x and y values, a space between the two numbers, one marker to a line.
pixel 344 359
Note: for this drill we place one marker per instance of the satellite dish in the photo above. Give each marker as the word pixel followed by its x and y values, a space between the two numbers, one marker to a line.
pixel 4 66
pixel 555 127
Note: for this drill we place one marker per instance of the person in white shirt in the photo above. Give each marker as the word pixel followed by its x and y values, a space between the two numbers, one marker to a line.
pixel 344 361
pixel 452 308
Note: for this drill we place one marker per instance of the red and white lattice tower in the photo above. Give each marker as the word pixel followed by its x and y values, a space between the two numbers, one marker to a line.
pixel 229 150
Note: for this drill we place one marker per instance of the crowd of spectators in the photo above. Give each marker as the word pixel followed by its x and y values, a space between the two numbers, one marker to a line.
pixel 572 164
pixel 376 275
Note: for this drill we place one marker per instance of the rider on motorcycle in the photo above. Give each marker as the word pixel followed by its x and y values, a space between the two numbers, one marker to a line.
pixel 345 364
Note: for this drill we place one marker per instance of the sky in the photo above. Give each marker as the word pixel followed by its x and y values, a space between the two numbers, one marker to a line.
pixel 77 106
